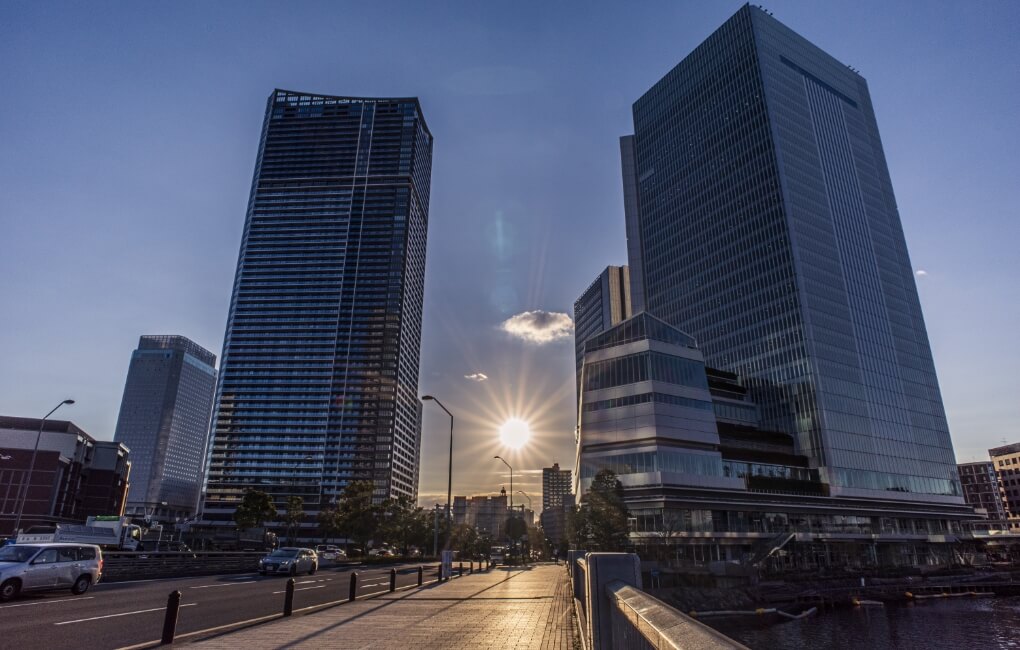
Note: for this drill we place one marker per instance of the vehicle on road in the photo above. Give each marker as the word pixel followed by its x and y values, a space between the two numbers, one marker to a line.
pixel 289 560
pixel 109 532
pixel 330 552
pixel 47 567
pixel 497 555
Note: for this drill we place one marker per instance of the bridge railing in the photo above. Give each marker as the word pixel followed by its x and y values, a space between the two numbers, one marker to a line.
pixel 613 612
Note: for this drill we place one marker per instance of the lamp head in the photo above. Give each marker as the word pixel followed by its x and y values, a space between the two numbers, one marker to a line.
pixel 68 401
pixel 426 398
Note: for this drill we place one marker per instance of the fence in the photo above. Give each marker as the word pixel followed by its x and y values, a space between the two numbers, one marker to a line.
pixel 613 612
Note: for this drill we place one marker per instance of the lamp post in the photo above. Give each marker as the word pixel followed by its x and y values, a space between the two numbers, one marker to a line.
pixel 449 475
pixel 511 481
pixel 526 497
pixel 31 465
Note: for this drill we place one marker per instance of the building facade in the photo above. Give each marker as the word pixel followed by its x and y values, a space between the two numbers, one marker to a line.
pixel 74 475
pixel 319 371
pixel 981 489
pixel 1006 460
pixel 704 480
pixel 164 421
pixel 606 302
pixel 557 497
pixel 486 514
pixel 761 220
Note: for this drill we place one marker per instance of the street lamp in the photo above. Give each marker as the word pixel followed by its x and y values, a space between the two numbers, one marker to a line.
pixel 449 475
pixel 31 465
pixel 511 482
pixel 531 507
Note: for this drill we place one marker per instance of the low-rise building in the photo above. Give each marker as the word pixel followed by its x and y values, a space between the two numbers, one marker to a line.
pixel 1006 461
pixel 73 477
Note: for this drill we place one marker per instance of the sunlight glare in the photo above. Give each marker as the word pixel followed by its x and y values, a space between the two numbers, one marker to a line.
pixel 514 433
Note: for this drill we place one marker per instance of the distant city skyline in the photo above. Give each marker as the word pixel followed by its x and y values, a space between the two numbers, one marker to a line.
pixel 128 156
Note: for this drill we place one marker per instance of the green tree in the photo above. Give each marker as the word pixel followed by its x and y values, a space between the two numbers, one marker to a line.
pixel 255 509
pixel 463 538
pixel 330 523
pixel 607 513
pixel 293 515
pixel 359 517
pixel 402 523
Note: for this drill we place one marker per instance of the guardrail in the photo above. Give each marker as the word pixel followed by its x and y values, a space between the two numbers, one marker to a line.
pixel 613 612
pixel 119 566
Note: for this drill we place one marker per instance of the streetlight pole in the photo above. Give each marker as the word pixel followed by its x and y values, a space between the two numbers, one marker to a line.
pixel 511 482
pixel 31 466
pixel 449 475
pixel 526 497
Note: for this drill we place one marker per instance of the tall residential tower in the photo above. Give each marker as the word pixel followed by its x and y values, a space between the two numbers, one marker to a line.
pixel 164 421
pixel 761 220
pixel 319 376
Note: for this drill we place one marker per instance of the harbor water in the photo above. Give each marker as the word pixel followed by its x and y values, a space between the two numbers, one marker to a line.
pixel 971 624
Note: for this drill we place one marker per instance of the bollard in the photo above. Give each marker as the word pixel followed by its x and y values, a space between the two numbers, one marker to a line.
pixel 288 598
pixel 173 606
pixel 354 586
pixel 460 570
pixel 439 573
pixel 421 575
pixel 471 567
pixel 393 579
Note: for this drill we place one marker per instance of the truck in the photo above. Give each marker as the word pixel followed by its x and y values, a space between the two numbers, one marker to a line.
pixel 110 532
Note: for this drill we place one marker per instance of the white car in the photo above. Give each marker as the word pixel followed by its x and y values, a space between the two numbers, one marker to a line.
pixel 45 567
pixel 330 552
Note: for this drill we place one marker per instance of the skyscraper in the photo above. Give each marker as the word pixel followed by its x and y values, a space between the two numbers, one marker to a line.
pixel 319 375
pixel 761 220
pixel 603 304
pixel 164 421
pixel 556 498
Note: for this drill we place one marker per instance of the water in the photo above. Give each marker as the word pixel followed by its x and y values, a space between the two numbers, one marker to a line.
pixel 970 624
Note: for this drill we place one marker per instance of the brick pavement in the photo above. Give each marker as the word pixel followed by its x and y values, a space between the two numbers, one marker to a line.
pixel 504 608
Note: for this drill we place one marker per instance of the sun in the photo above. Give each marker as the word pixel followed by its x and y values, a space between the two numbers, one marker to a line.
pixel 514 433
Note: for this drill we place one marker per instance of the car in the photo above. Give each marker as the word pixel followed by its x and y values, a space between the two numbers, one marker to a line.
pixel 48 567
pixel 330 552
pixel 290 560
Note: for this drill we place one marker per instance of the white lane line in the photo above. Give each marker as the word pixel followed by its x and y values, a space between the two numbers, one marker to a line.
pixel 307 582
pixel 303 589
pixel 374 584
pixel 47 602
pixel 226 584
pixel 141 611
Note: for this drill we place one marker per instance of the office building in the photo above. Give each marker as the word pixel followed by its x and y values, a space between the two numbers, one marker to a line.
pixel 606 302
pixel 74 475
pixel 319 372
pixel 486 514
pixel 1006 460
pixel 762 222
pixel 704 480
pixel 981 489
pixel 164 421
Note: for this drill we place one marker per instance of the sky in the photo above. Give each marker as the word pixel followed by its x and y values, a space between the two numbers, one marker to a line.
pixel 128 138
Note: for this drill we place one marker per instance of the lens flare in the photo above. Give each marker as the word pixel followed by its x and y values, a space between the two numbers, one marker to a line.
pixel 514 433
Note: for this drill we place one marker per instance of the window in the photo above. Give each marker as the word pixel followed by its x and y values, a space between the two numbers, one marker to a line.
pixel 49 556
pixel 68 554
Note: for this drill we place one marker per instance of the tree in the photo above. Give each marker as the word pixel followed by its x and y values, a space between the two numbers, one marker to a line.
pixel 358 515
pixel 330 523
pixel 294 515
pixel 607 513
pixel 463 538
pixel 256 507
pixel 403 523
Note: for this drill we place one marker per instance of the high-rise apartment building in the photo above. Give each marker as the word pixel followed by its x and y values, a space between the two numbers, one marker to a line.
pixel 1006 460
pixel 556 498
pixel 606 302
pixel 761 220
pixel 319 373
pixel 164 421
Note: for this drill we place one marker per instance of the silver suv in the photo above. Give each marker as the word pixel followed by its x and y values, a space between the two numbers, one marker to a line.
pixel 45 567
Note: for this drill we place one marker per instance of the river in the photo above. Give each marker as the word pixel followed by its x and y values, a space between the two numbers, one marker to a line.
pixel 970 624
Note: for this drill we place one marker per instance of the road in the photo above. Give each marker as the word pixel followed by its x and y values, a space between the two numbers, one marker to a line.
pixel 128 613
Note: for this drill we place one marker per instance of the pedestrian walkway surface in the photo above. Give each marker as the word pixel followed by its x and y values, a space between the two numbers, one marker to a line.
pixel 507 607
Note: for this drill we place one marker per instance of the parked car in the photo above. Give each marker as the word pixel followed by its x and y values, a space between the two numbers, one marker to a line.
pixel 290 560
pixel 46 567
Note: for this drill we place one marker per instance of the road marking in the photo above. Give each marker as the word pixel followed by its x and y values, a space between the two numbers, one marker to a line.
pixel 227 584
pixel 47 602
pixel 307 582
pixel 303 589
pixel 374 584
pixel 141 611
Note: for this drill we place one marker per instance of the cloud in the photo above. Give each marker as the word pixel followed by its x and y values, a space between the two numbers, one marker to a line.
pixel 539 326
pixel 920 273
pixel 477 376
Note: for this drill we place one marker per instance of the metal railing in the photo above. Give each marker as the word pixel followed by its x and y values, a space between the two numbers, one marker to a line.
pixel 613 612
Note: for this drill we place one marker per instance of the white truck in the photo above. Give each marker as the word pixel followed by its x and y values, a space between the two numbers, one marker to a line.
pixel 109 532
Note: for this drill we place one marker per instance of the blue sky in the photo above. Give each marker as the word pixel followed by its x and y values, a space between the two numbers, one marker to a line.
pixel 128 135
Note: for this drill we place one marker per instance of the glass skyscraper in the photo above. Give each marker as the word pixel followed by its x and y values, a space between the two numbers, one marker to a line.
pixel 164 421
pixel 761 220
pixel 319 376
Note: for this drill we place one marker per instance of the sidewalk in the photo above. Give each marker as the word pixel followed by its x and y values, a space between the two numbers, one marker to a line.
pixel 505 608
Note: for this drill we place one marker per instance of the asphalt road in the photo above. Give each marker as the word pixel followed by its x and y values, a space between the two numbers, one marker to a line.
pixel 123 614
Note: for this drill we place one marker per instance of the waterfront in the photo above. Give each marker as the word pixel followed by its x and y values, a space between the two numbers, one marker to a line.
pixel 973 624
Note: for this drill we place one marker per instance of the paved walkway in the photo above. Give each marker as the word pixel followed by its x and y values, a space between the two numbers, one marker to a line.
pixel 504 608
